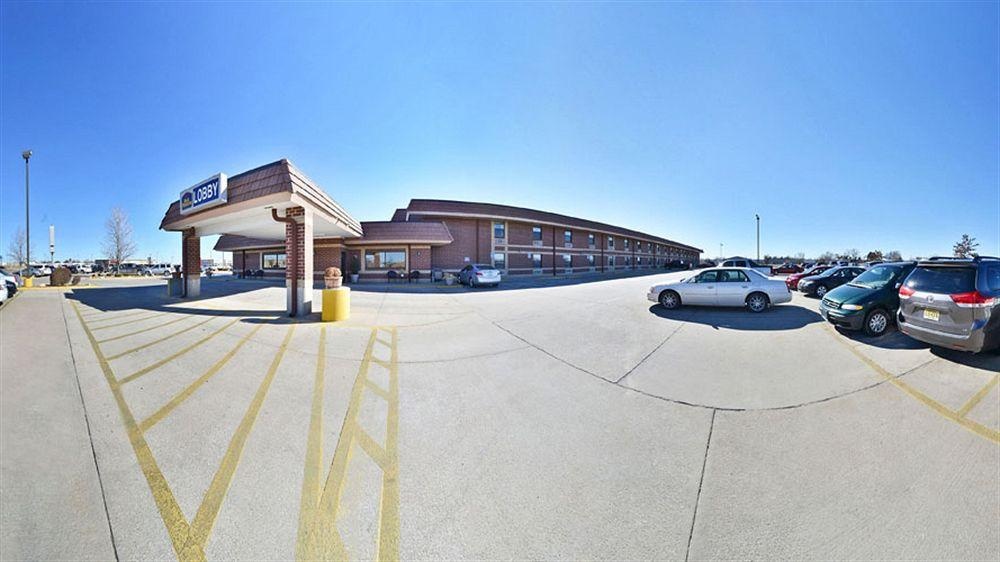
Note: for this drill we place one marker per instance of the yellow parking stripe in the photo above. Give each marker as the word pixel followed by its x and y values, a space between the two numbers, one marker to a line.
pixel 187 392
pixel 170 358
pixel 978 396
pixel 212 502
pixel 130 334
pixel 150 317
pixel 159 340
pixel 170 511
pixel 978 429
pixel 318 537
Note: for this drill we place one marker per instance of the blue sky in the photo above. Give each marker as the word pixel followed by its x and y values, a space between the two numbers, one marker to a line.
pixel 843 125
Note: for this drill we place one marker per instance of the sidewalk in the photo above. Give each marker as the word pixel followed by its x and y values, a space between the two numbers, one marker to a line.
pixel 52 506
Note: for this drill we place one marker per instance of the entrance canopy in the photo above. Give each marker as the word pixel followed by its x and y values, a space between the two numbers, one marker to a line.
pixel 251 197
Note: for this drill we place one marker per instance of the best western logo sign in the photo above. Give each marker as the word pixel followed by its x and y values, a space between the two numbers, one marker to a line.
pixel 205 194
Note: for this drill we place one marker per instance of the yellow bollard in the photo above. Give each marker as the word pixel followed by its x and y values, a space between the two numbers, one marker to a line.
pixel 336 304
pixel 29 282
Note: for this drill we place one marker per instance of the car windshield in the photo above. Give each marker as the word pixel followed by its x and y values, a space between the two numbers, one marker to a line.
pixel 485 267
pixel 876 277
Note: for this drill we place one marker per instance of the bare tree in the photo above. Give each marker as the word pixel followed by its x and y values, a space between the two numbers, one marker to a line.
pixel 851 254
pixel 827 257
pixel 17 250
pixel 874 255
pixel 118 243
pixel 966 247
pixel 893 255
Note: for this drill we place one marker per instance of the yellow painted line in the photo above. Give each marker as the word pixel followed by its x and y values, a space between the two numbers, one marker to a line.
pixel 371 448
pixel 212 502
pixel 388 532
pixel 978 396
pixel 187 392
pixel 318 536
pixel 309 530
pixel 978 429
pixel 130 334
pixel 159 340
pixel 170 511
pixel 150 317
pixel 378 390
pixel 115 317
pixel 170 358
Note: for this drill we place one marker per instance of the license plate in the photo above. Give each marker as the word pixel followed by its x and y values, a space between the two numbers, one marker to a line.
pixel 931 315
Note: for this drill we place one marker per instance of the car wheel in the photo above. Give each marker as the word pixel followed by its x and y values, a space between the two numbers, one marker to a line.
pixel 821 291
pixel 876 323
pixel 757 302
pixel 670 300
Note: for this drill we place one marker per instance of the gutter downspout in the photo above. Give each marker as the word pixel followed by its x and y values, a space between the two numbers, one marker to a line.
pixel 295 259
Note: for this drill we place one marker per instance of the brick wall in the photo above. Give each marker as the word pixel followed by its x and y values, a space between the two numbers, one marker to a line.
pixel 191 250
pixel 420 258
pixel 293 268
pixel 327 256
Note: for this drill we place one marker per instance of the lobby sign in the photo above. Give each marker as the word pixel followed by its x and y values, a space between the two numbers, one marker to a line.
pixel 204 194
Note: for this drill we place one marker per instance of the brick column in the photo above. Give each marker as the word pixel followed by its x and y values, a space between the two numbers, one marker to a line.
pixel 300 260
pixel 191 263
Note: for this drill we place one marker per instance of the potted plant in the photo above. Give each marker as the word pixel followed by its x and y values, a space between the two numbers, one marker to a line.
pixel 354 268
pixel 449 278
pixel 332 278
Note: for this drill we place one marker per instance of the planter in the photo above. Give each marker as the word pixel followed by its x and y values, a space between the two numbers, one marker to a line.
pixel 332 279
pixel 449 280
pixel 355 277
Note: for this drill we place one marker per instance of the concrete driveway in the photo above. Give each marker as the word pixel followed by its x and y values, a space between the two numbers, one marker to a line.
pixel 569 421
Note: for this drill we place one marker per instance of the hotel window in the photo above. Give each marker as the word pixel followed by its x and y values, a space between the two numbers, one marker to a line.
pixel 499 230
pixel 590 260
pixel 638 260
pixel 628 261
pixel 611 262
pixel 590 239
pixel 536 233
pixel 536 261
pixel 568 236
pixel 273 261
pixel 384 259
pixel 611 244
pixel 626 243
pixel 500 260
pixel 567 260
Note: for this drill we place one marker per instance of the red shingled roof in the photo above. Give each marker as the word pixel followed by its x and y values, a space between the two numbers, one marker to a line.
pixel 427 232
pixel 434 207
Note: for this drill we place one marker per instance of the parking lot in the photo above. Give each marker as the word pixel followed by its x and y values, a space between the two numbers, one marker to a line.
pixel 570 421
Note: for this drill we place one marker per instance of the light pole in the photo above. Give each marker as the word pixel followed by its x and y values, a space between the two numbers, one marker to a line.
pixel 27 215
pixel 758 236
pixel 721 255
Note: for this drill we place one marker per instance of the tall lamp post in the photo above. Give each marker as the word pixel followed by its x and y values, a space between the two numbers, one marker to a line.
pixel 721 255
pixel 758 237
pixel 27 214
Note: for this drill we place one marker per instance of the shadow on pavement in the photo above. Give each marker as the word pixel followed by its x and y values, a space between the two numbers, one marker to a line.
pixel 987 361
pixel 154 298
pixel 780 317
pixel 892 339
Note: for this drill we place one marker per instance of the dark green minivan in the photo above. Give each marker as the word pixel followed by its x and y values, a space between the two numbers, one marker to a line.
pixel 870 301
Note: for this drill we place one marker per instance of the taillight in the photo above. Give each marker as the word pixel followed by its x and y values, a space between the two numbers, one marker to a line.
pixel 906 292
pixel 972 299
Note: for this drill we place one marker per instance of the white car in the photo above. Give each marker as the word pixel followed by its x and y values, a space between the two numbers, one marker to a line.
pixel 158 269
pixel 723 286
pixel 744 262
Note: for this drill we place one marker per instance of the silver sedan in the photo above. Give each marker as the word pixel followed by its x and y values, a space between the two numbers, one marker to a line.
pixel 723 286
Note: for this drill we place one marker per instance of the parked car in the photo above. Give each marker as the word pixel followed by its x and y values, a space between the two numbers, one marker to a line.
pixel 830 279
pixel 677 264
pixel 953 303
pixel 11 288
pixel 157 269
pixel 41 270
pixel 477 275
pixel 722 286
pixel 705 264
pixel 793 280
pixel 744 262
pixel 7 276
pixel 870 301
pixel 787 268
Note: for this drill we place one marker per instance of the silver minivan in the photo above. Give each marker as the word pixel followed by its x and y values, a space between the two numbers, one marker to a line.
pixel 953 303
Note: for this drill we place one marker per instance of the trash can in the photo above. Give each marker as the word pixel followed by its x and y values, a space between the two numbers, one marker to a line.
pixel 336 304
